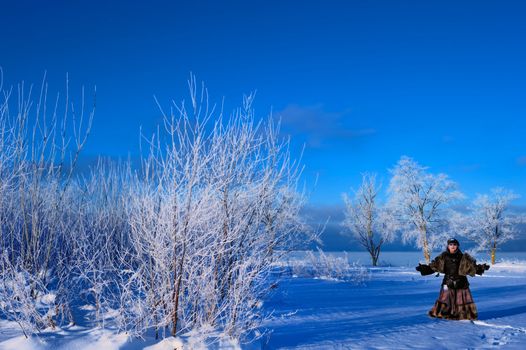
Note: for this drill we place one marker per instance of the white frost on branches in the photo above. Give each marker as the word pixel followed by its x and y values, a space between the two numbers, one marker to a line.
pixel 210 210
pixel 186 242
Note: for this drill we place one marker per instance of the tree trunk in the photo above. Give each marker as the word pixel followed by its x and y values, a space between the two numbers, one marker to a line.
pixel 427 255
pixel 177 291
pixel 176 307
pixel 493 251
pixel 374 259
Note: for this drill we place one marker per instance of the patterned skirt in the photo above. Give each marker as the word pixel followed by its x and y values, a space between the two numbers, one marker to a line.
pixel 454 304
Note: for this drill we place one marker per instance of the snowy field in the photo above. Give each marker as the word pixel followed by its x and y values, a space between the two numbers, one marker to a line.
pixel 387 311
pixel 390 310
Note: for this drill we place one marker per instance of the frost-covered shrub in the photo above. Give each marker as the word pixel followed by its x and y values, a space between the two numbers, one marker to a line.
pixel 40 142
pixel 207 214
pixel 185 242
pixel 24 298
pixel 329 266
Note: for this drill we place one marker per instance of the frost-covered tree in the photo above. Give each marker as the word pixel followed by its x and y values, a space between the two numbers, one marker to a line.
pixel 371 224
pixel 491 223
pixel 420 200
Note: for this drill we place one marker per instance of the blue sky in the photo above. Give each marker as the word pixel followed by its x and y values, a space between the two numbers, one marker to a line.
pixel 361 83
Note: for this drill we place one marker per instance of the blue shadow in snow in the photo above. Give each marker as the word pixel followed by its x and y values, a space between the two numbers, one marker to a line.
pixel 336 311
pixel 486 315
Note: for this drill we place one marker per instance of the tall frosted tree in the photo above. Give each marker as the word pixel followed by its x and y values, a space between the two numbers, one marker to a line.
pixel 371 224
pixel 421 201
pixel 491 223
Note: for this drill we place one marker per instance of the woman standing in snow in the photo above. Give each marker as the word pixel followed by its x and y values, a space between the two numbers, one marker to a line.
pixel 454 301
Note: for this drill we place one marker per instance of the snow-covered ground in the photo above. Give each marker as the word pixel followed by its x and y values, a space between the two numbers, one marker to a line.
pixel 389 311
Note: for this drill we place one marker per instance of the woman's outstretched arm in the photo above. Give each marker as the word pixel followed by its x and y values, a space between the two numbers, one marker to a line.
pixel 481 268
pixel 424 269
